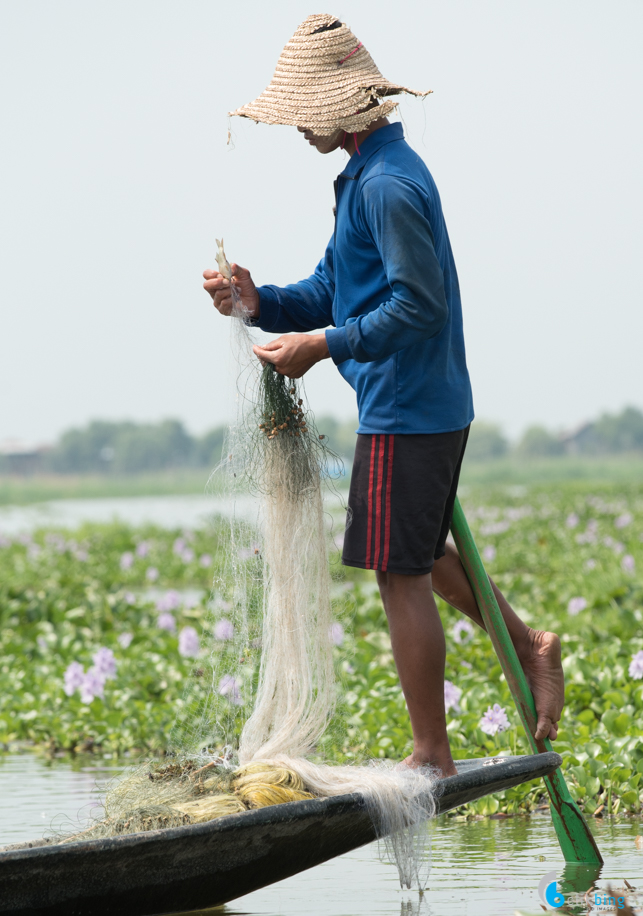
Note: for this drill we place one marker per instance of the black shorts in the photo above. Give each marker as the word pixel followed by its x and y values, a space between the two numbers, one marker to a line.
pixel 401 498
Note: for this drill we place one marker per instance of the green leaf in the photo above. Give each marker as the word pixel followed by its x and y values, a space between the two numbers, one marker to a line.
pixel 619 774
pixel 587 716
pixel 580 775
pixel 593 749
pixel 592 785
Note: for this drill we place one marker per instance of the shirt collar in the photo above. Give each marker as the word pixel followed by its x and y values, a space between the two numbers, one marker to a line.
pixel 372 144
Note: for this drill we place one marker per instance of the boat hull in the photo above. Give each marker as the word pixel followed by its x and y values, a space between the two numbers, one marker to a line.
pixel 205 865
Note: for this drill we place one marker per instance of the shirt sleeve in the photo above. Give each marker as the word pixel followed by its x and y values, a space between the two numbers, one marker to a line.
pixel 395 215
pixel 303 306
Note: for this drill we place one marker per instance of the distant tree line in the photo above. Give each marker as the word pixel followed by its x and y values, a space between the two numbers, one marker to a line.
pixel 104 447
pixel 611 434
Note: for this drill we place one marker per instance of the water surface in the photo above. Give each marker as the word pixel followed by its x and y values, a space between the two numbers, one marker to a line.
pixel 485 867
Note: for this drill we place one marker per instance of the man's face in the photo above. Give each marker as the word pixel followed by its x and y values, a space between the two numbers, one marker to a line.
pixel 323 144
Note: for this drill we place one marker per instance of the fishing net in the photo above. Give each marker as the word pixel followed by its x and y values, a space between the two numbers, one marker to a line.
pixel 252 720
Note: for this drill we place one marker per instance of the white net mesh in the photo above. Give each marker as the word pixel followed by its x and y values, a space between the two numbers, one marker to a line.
pixel 262 700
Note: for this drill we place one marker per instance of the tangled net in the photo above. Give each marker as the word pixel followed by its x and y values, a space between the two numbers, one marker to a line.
pixel 277 658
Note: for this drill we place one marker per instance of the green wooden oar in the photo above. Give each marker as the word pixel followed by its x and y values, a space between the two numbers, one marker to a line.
pixel 575 838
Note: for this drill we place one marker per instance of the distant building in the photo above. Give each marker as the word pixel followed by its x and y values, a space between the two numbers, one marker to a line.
pixel 21 458
pixel 581 440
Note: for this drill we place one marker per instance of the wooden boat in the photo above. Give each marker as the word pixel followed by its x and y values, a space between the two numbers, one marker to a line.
pixel 204 865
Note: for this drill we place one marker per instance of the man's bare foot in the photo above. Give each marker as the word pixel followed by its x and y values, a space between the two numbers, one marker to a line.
pixel 444 766
pixel 540 657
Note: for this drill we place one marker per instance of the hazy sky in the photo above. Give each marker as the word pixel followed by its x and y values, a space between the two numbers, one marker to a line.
pixel 116 178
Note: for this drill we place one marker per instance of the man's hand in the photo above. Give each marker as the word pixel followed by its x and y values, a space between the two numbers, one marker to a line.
pixel 219 288
pixel 294 354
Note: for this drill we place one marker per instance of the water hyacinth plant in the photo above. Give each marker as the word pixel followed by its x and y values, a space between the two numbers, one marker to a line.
pixel 90 684
pixel 452 696
pixel 189 642
pixel 58 612
pixel 494 720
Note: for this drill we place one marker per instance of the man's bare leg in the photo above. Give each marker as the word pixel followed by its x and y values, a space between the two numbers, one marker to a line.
pixel 419 650
pixel 538 651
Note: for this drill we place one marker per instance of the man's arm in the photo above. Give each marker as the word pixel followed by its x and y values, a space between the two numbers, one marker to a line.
pixel 299 307
pixel 303 306
pixel 394 213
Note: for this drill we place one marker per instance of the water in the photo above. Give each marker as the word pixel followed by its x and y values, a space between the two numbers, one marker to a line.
pixel 483 867
pixel 165 511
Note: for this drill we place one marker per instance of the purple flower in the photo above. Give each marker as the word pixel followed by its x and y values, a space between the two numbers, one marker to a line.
pixel 576 605
pixel 167 622
pixel 189 642
pixel 56 542
pixel 104 663
pixel 223 629
pixel 489 553
pixel 5 541
pixel 336 634
pixel 82 555
pixel 589 536
pixel 452 696
pixel 572 520
pixel 143 549
pixel 229 687
pixel 92 686
pixel 129 598
pixel 127 559
pixel 616 546
pixel 169 601
pixel 623 520
pixel 628 563
pixel 590 564
pixel 494 720
pixel 205 560
pixel 462 631
pixel 124 640
pixel 152 573
pixel 42 644
pixel 73 677
pixel 179 546
pixel 188 555
pixel 636 666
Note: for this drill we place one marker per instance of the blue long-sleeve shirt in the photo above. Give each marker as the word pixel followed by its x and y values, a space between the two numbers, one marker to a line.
pixel 388 285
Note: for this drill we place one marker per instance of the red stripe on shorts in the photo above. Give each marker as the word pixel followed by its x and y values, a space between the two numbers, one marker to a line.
pixel 378 504
pixel 369 523
pixel 387 511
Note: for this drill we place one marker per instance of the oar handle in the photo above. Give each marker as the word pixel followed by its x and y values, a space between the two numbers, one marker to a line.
pixel 574 836
pixel 496 627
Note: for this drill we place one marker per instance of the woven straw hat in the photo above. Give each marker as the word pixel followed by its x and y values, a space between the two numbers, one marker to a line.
pixel 324 80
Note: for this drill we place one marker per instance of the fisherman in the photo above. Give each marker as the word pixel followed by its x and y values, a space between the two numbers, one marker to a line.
pixel 387 286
